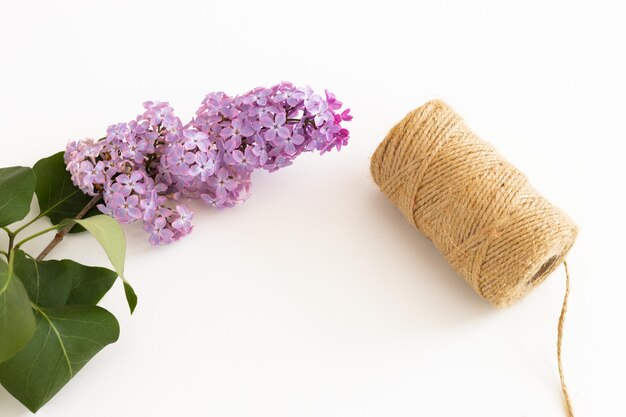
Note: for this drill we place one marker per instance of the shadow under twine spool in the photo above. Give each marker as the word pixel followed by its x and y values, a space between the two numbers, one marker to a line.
pixel 495 230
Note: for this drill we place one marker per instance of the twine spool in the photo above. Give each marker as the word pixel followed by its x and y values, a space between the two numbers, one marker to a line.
pixel 495 230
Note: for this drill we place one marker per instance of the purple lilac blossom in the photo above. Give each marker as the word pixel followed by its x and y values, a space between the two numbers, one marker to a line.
pixel 146 168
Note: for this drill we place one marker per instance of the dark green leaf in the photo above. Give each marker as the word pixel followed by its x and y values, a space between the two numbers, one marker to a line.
pixel 17 185
pixel 17 323
pixel 57 283
pixel 131 296
pixel 46 283
pixel 58 197
pixel 89 283
pixel 65 340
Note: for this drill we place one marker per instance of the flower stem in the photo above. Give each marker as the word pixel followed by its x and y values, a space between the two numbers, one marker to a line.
pixel 61 233
pixel 42 232
pixel 19 229
pixel 40 215
pixel 11 241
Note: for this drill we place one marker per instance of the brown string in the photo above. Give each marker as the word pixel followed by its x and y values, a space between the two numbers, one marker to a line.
pixel 489 223
pixel 559 340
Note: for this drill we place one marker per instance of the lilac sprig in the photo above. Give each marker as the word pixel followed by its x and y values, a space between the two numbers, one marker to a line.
pixel 145 168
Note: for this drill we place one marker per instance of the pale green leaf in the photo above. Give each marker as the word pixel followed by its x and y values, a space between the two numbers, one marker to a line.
pixel 110 235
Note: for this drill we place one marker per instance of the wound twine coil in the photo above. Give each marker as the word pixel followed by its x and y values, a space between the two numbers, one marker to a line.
pixel 493 228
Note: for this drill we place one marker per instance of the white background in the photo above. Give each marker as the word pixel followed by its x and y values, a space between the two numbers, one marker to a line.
pixel 316 297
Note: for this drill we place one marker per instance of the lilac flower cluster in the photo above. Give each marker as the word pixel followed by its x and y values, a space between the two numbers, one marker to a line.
pixel 144 168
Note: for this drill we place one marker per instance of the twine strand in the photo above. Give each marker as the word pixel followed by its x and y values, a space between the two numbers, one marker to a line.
pixel 559 342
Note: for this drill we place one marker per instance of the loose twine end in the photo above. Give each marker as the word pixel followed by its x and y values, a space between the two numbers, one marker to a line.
pixel 559 340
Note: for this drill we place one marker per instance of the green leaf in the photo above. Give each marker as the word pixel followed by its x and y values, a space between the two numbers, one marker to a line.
pixel 46 283
pixel 131 296
pixel 110 235
pixel 57 283
pixel 17 323
pixel 89 283
pixel 17 185
pixel 58 197
pixel 65 340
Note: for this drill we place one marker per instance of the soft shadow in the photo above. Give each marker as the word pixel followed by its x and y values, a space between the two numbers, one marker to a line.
pixel 10 407
pixel 138 240
pixel 442 296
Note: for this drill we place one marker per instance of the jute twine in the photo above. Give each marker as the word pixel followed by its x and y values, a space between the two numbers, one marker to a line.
pixel 495 230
